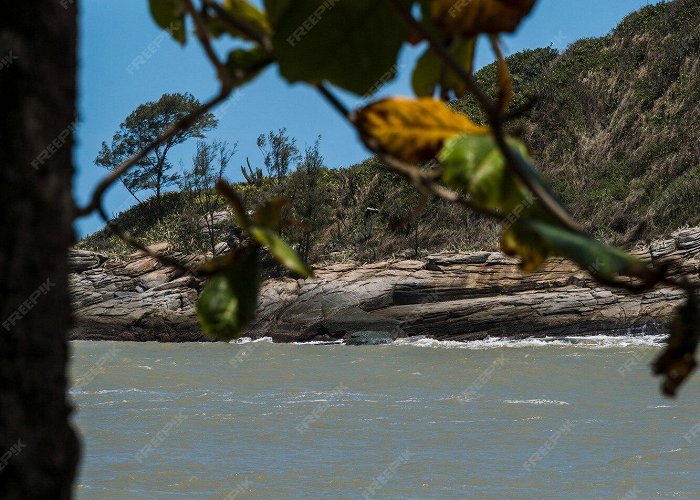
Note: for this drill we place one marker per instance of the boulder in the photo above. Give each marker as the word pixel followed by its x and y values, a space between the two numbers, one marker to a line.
pixel 369 338
pixel 82 260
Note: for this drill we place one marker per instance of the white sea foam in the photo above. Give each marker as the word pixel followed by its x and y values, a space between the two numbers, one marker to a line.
pixel 591 342
pixel 79 390
pixel 535 402
pixel 248 340
pixel 583 341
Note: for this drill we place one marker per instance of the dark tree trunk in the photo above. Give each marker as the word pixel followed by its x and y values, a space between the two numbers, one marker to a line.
pixel 159 180
pixel 211 227
pixel 39 450
pixel 131 192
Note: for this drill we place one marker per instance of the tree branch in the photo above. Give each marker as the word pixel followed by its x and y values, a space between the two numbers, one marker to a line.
pixel 203 35
pixel 238 25
pixel 649 278
pixel 401 8
pixel 505 82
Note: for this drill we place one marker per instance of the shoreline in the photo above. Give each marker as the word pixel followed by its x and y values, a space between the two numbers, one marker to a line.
pixel 458 296
pixel 586 341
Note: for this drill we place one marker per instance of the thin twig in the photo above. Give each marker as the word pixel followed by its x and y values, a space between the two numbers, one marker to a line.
pixel 426 184
pixel 505 82
pixel 335 102
pixel 173 130
pixel 203 35
pixel 484 101
pixel 520 111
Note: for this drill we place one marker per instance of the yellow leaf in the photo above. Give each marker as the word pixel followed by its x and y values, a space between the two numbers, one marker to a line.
pixel 413 130
pixel 472 17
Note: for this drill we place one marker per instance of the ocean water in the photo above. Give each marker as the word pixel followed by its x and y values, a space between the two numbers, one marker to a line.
pixel 572 418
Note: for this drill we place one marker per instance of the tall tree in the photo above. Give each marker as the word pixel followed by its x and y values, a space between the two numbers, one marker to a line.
pixel 39 450
pixel 141 128
pixel 280 152
pixel 208 167
pixel 309 198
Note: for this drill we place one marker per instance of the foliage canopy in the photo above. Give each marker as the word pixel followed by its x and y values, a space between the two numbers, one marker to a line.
pixel 144 126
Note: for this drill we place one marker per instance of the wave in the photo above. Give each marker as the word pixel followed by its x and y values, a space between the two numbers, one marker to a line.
pixel 583 341
pixel 78 389
pixel 591 342
pixel 535 402
pixel 248 340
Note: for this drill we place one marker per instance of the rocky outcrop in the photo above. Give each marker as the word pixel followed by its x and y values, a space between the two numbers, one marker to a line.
pixel 448 296
pixel 138 300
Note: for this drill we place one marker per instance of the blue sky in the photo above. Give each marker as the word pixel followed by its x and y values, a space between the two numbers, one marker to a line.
pixel 114 32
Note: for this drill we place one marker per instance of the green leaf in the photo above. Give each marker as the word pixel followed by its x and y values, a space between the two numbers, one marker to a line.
pixel 170 15
pixel 229 300
pixel 677 361
pixel 432 73
pixel 535 240
pixel 353 45
pixel 518 239
pixel 427 74
pixel 244 13
pixel 474 164
pixel 597 257
pixel 284 254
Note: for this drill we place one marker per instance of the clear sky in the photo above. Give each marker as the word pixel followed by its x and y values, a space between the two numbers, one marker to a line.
pixel 114 32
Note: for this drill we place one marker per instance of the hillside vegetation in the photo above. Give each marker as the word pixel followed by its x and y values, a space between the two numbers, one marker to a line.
pixel 615 128
pixel 616 125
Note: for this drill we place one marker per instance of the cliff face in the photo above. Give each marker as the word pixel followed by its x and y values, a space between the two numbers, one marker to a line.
pixel 449 296
pixel 139 300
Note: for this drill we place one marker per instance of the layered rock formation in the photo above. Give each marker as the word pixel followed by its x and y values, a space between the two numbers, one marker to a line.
pixel 448 296
pixel 137 300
